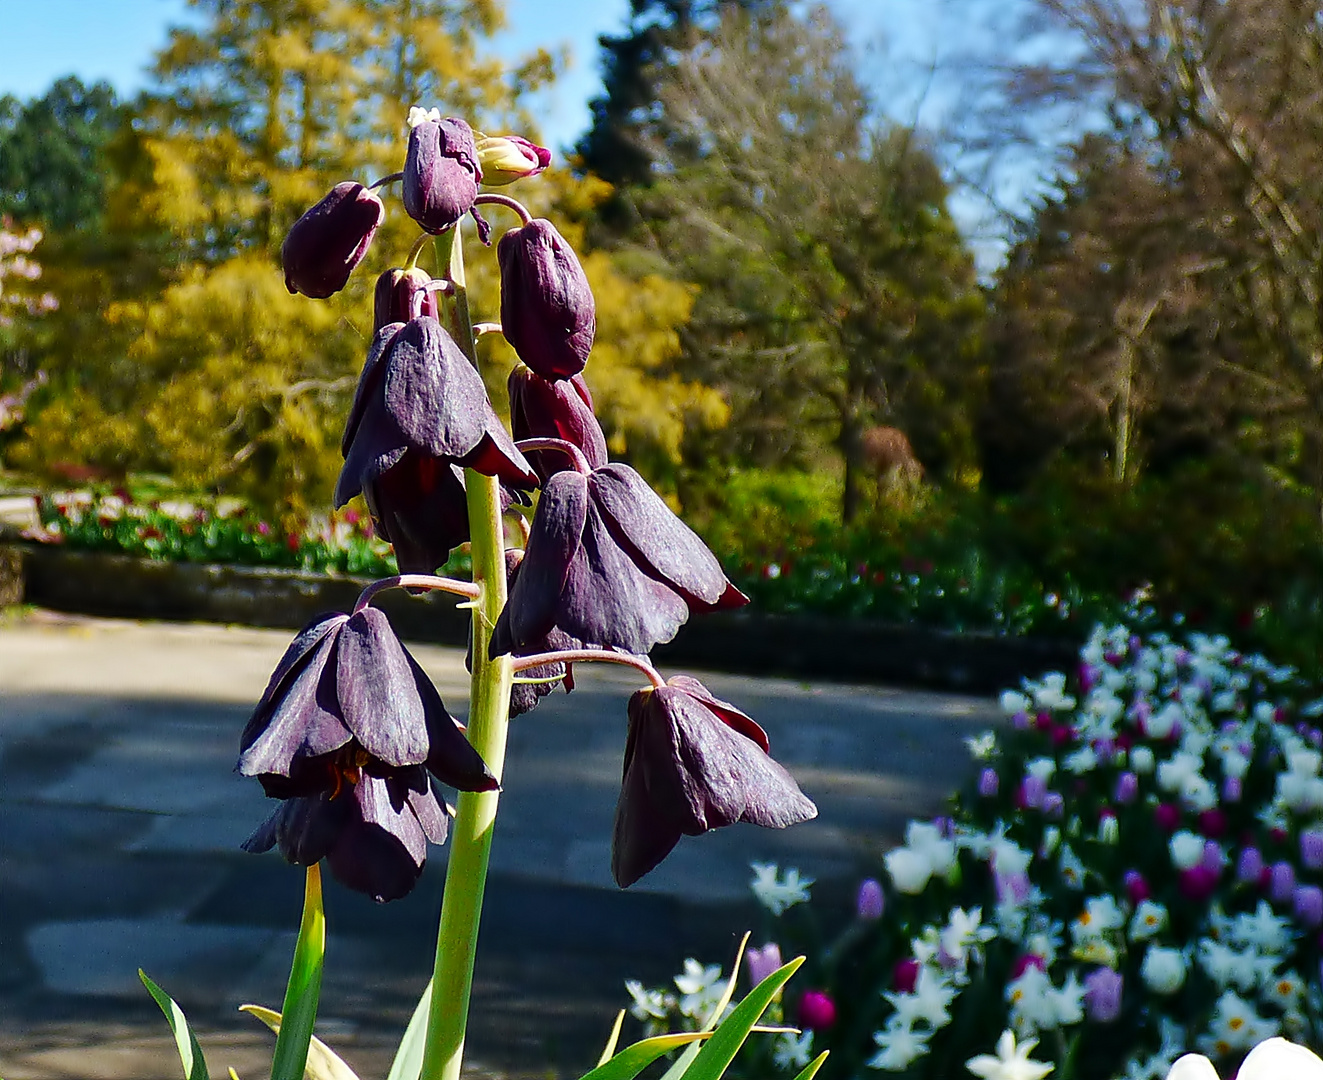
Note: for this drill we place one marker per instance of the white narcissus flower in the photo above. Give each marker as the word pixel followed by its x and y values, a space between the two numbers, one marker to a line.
pixel 1264 930
pixel 792 1051
pixel 1051 693
pixel 983 746
pixel 1141 759
pixel 1011 1063
pixel 1149 918
pixel 776 893
pixel 1012 702
pixel 898 1046
pixel 1187 850
pixel 647 1003
pixel 701 986
pixel 926 838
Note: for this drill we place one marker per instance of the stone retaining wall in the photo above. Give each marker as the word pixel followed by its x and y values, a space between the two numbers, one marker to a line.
pixel 851 650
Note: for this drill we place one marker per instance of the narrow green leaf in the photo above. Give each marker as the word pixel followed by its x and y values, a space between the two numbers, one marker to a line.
pixel 408 1063
pixel 682 1063
pixel 190 1053
pixel 305 985
pixel 633 1059
pixel 811 1069
pixel 323 1063
pixel 613 1040
pixel 720 1050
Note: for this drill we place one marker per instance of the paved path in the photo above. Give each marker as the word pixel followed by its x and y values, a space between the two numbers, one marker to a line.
pixel 120 817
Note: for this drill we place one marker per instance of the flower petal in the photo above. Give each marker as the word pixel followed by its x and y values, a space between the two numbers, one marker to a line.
pixel 378 696
pixel 432 391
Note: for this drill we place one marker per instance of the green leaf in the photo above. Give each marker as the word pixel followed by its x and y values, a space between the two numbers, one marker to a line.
pixel 632 1060
pixel 678 1068
pixel 613 1039
pixel 719 1051
pixel 408 1063
pixel 811 1069
pixel 323 1063
pixel 190 1053
pixel 305 985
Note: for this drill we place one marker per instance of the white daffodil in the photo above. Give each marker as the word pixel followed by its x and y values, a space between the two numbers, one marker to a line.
pixel 1072 869
pixel 1083 760
pixel 1067 1002
pixel 1264 930
pixel 1031 1007
pixel 1276 1059
pixel 1141 759
pixel 1013 702
pixel 776 893
pixel 926 838
pixel 982 747
pixel 1041 768
pixel 1187 850
pixel 1050 693
pixel 1283 990
pixel 898 1046
pixel 910 871
pixel 1150 917
pixel 1010 1063
pixel 932 998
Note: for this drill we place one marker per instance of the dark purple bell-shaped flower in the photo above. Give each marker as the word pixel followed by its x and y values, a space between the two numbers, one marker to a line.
pixel 441 173
pixel 420 412
pixel 610 564
pixel 547 310
pixel 542 409
pixel 396 292
pixel 325 244
pixel 693 763
pixel 346 733
pixel 348 699
pixel 373 834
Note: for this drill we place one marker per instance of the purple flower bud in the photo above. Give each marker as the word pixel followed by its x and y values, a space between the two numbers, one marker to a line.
pixel 1213 856
pixel 1311 848
pixel 547 310
pixel 1282 883
pixel 1127 788
pixel 1233 788
pixel 870 902
pixel 504 159
pixel 762 962
pixel 1136 888
pixel 988 783
pixel 441 173
pixel 1249 867
pixel 1197 883
pixel 1102 995
pixel 395 294
pixel 542 409
pixel 1033 790
pixel 325 244
pixel 1054 804
pixel 1020 721
pixel 1309 905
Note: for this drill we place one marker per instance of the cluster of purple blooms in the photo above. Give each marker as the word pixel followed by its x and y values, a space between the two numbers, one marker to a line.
pixel 350 734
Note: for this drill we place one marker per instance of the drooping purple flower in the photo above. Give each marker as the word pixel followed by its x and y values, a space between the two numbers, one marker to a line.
pixel 394 296
pixel 869 902
pixel 373 834
pixel 610 564
pixel 1102 995
pixel 563 409
pixel 347 730
pixel 419 414
pixel 326 243
pixel 548 314
pixel 441 173
pixel 693 763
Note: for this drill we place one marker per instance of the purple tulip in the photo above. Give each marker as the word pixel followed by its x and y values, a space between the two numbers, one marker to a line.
pixel 817 1011
pixel 1249 867
pixel 1213 856
pixel 1136 888
pixel 1282 883
pixel 1311 849
pixel 325 244
pixel 988 783
pixel 1127 788
pixel 1054 804
pixel 1233 789
pixel 760 963
pixel 1102 995
pixel 870 902
pixel 1197 883
pixel 1308 902
pixel 693 763
pixel 1033 790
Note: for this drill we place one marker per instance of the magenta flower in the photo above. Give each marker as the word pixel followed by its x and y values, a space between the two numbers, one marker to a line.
pixel 817 1011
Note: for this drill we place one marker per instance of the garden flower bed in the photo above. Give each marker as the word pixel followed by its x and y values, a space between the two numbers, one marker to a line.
pixel 1137 871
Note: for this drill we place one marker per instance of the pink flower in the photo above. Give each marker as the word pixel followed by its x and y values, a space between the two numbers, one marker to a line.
pixel 905 975
pixel 817 1012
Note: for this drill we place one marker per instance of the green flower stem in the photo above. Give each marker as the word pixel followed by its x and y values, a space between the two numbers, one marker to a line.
pixel 489 711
